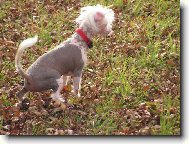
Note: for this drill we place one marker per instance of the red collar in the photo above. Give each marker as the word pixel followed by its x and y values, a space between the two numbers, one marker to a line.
pixel 84 37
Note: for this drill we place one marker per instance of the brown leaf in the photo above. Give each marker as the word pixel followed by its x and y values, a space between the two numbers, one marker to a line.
pixel 93 88
pixel 67 88
pixel 170 62
pixel 9 42
pixel 126 130
pixel 146 87
pixel 138 46
pixel 16 114
pixel 173 110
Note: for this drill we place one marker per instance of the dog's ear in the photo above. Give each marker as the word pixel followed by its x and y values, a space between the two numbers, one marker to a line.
pixel 98 16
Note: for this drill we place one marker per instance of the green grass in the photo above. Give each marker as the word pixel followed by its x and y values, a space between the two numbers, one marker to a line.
pixel 138 64
pixel 169 125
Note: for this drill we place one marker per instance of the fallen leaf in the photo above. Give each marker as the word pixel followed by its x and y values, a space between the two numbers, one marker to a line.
pixel 67 88
pixel 170 62
pixel 146 87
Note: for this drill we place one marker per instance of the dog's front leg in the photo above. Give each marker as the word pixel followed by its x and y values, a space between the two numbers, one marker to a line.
pixel 77 85
pixel 65 80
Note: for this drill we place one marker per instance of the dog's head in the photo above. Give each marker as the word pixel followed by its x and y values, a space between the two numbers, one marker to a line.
pixel 98 18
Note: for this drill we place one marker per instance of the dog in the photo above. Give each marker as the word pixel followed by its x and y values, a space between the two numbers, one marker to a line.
pixel 52 69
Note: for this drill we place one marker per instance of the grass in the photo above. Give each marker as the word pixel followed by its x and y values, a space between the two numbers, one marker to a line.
pixel 134 72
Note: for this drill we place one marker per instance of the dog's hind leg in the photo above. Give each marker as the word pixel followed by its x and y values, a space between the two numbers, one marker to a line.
pixel 21 93
pixel 23 104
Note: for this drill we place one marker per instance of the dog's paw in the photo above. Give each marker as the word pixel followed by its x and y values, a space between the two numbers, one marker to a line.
pixel 76 93
pixel 62 99
pixel 59 98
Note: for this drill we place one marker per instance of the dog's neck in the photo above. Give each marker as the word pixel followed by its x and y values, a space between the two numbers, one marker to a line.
pixel 78 40
pixel 85 31
pixel 88 32
pixel 84 37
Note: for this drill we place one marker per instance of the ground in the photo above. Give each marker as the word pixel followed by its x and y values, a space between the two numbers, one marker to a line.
pixel 131 85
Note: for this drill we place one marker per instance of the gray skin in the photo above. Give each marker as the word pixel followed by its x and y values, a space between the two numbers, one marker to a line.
pixel 44 72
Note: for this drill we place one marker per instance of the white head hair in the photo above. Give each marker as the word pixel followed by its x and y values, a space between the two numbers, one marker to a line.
pixel 89 14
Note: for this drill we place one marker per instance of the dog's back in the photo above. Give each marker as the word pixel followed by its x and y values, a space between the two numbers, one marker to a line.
pixel 65 59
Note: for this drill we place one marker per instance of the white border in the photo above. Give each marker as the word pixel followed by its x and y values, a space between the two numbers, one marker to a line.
pixel 128 140
pixel 185 69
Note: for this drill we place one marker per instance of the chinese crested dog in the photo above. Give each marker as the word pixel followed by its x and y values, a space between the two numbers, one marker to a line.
pixel 52 69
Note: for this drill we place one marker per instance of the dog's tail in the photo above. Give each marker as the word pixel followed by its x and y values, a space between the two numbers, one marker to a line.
pixel 24 45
